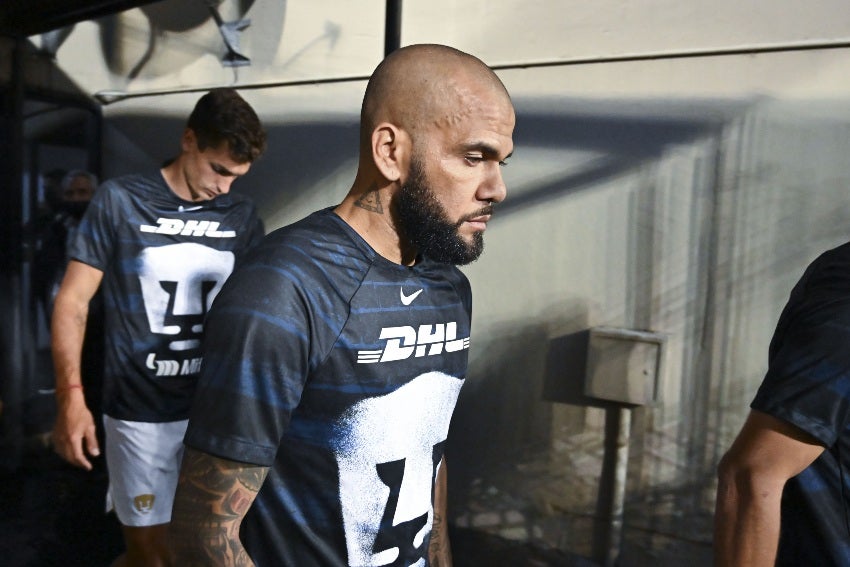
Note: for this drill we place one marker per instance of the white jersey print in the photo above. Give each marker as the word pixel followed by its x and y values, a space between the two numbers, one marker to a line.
pixel 387 464
pixel 179 283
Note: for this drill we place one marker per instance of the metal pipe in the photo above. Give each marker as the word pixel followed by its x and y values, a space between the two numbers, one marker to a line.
pixel 17 365
pixel 110 96
pixel 842 43
pixel 392 29
pixel 618 485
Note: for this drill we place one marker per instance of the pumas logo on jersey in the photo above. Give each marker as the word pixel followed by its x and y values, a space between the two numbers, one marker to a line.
pixel 408 299
pixel 386 475
pixel 404 342
pixel 179 283
pixel 188 228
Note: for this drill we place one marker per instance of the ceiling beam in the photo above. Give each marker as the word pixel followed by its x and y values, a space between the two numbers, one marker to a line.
pixel 23 18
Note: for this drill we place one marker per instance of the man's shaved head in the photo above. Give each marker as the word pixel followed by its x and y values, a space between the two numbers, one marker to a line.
pixel 421 85
pixel 435 128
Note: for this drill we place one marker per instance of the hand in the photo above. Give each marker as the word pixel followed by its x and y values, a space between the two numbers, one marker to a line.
pixel 74 431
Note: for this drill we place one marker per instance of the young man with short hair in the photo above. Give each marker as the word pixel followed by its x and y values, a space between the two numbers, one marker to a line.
pixel 161 244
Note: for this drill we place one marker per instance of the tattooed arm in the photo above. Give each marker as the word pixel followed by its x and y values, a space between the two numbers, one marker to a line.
pixel 439 550
pixel 212 497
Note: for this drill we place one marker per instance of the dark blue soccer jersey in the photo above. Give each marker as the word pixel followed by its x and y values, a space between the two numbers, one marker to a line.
pixel 163 261
pixel 340 371
pixel 808 385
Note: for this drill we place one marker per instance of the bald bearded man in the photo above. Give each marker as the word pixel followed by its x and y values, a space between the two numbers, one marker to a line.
pixel 334 356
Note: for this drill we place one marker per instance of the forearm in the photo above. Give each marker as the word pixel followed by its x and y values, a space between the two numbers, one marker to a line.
pixel 212 497
pixel 751 478
pixel 74 435
pixel 439 550
pixel 68 328
pixel 746 524
pixel 202 540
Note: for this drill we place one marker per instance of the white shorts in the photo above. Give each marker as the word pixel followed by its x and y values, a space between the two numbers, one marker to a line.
pixel 143 460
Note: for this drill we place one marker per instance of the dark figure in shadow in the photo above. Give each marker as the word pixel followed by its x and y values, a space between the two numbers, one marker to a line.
pixel 76 190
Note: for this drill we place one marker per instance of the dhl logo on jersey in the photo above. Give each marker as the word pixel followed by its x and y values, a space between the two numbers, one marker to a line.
pixel 404 342
pixel 188 228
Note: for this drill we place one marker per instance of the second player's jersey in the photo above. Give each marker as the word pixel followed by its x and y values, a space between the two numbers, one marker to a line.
pixel 163 261
pixel 339 370
pixel 808 385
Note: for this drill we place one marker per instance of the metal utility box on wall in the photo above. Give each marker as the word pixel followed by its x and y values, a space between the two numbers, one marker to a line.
pixel 623 365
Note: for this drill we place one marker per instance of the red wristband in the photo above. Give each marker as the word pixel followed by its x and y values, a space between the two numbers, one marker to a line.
pixel 68 387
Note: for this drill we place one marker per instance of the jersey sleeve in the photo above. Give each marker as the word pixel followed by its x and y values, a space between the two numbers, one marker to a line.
pixel 95 238
pixel 808 379
pixel 256 357
pixel 258 231
pixel 254 234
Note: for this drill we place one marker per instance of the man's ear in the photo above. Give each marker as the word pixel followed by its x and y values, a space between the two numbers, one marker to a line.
pixel 188 141
pixel 390 150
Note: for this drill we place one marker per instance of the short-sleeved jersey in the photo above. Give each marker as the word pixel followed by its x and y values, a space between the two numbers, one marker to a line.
pixel 163 260
pixel 808 385
pixel 339 370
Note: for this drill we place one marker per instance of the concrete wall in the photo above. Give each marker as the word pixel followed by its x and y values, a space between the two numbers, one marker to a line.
pixel 677 165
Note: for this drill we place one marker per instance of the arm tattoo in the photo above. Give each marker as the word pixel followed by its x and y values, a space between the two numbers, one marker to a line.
pixel 438 551
pixel 371 200
pixel 212 497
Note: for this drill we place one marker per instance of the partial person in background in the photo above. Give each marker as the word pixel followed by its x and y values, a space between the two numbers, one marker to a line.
pixel 51 195
pixel 161 243
pixel 51 238
pixel 77 189
pixel 784 490
pixel 335 354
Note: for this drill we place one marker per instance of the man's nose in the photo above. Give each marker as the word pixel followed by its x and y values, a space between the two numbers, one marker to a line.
pixel 223 184
pixel 494 189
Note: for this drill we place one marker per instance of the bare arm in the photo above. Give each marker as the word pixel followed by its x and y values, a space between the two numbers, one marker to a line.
pixel 212 497
pixel 752 475
pixel 74 431
pixel 439 550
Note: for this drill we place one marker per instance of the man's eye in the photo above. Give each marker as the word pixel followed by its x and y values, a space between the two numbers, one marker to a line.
pixel 503 163
pixel 474 159
pixel 221 170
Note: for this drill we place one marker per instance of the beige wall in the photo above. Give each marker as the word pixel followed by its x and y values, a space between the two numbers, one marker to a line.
pixel 553 30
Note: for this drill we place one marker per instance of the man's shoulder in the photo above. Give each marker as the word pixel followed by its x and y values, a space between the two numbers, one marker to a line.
pixel 839 253
pixel 307 259
pixel 234 200
pixel 319 228
pixel 819 303
pixel 240 198
pixel 830 270
pixel 315 245
pixel 131 183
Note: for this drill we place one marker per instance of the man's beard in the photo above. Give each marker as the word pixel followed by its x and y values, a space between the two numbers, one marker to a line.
pixel 425 223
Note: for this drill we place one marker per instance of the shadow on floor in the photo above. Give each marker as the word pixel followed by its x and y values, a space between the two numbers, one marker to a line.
pixel 471 548
pixel 53 514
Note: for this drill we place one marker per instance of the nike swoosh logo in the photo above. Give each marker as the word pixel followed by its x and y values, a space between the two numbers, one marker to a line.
pixel 182 209
pixel 408 299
